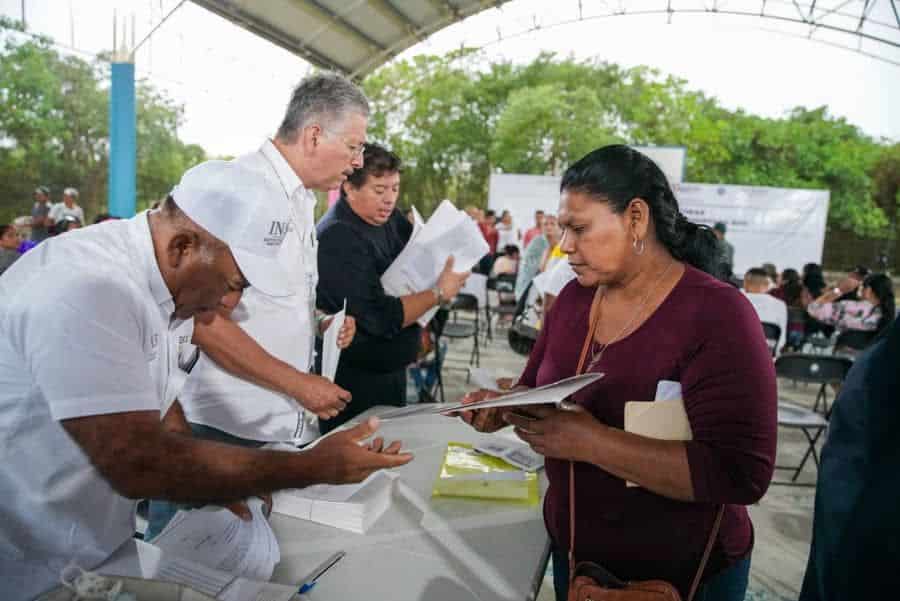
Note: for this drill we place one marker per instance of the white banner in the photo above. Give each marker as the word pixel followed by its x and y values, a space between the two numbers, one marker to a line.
pixel 765 225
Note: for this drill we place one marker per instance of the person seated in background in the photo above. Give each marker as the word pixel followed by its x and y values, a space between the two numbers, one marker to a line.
pixel 507 235
pixel 859 274
pixel 872 313
pixel 508 262
pixel 9 246
pixel 790 290
pixel 813 280
pixel 530 264
pixel 359 238
pixel 856 525
pixel 535 231
pixel 67 208
pixel 770 309
pixel 553 253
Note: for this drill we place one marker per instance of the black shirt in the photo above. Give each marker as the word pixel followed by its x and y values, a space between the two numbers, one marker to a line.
pixel 352 257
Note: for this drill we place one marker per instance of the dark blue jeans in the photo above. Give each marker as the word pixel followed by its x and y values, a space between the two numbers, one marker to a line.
pixel 161 513
pixel 730 585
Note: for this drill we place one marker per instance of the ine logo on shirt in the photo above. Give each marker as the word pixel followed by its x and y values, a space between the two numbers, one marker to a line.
pixel 277 231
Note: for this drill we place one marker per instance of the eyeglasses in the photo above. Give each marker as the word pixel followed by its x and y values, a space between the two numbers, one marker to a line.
pixel 356 151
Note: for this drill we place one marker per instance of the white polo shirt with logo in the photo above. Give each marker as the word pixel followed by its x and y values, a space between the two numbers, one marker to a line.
pixel 86 329
pixel 284 327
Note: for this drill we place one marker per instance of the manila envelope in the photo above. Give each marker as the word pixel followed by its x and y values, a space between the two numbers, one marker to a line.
pixel 665 420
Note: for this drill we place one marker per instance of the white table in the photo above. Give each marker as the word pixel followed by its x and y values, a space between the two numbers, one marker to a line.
pixel 423 549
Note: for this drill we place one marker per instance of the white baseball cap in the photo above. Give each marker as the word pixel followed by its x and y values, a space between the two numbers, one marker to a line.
pixel 244 210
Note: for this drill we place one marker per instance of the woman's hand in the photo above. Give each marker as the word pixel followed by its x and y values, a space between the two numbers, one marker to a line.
pixel 558 433
pixel 483 420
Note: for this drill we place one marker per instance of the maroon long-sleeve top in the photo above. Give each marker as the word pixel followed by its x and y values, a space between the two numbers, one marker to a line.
pixel 706 336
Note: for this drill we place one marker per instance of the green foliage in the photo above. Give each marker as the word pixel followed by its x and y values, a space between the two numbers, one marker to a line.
pixel 454 120
pixel 54 128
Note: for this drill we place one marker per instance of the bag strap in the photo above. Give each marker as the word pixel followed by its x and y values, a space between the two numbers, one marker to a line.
pixel 593 320
pixel 707 552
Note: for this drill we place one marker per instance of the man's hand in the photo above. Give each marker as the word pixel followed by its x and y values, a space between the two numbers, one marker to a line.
pixel 242 510
pixel 450 282
pixel 483 420
pixel 553 432
pixel 344 458
pixel 348 330
pixel 319 395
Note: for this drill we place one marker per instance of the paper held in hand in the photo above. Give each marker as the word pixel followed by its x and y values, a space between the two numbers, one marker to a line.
pixel 331 352
pixel 448 232
pixel 550 393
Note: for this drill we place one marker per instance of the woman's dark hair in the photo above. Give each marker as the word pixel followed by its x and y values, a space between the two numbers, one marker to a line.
pixel 510 250
pixel 618 174
pixel 813 279
pixel 882 286
pixel 377 160
pixel 4 229
pixel 790 275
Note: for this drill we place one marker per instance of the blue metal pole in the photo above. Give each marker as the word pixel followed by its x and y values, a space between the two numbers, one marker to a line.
pixel 122 142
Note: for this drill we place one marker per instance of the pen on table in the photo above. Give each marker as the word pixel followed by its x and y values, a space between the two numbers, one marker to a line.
pixel 318 572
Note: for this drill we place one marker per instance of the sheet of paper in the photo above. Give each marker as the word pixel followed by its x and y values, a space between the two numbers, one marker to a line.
pixel 331 352
pixel 137 559
pixel 667 390
pixel 550 393
pixel 448 232
pixel 219 539
pixel 482 377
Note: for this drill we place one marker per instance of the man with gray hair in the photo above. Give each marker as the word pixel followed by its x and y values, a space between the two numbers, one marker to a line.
pixel 252 382
pixel 67 208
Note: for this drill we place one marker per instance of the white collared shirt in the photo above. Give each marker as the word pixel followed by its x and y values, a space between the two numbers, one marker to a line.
pixel 770 310
pixel 59 211
pixel 284 327
pixel 86 329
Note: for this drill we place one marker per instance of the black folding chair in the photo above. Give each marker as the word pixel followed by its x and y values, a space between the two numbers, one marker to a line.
pixel 817 369
pixel 853 341
pixel 823 370
pixel 465 303
pixel 773 335
pixel 504 285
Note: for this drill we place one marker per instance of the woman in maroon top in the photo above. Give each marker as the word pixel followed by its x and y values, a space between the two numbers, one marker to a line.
pixel 661 318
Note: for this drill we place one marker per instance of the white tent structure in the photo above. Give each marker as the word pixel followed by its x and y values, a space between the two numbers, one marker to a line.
pixel 355 37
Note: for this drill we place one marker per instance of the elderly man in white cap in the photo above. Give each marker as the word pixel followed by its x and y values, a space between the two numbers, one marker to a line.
pixel 89 328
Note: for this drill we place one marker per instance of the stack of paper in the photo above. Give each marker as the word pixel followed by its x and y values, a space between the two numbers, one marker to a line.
pixel 448 232
pixel 353 507
pixel 216 538
pixel 145 565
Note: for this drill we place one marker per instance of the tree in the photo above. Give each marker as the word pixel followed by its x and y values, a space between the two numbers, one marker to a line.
pixel 54 128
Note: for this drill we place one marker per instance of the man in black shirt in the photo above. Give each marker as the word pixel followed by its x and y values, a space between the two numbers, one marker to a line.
pixel 359 237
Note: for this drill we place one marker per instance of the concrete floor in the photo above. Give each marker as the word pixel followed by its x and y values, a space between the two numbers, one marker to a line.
pixel 782 519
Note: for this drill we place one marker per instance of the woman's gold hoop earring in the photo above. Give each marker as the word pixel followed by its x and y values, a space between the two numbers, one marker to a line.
pixel 638 248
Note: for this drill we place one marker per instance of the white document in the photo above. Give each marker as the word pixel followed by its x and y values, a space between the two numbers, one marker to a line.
pixel 550 393
pixel 353 507
pixel 483 377
pixel 137 559
pixel 220 540
pixel 448 232
pixel 515 453
pixel 331 352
